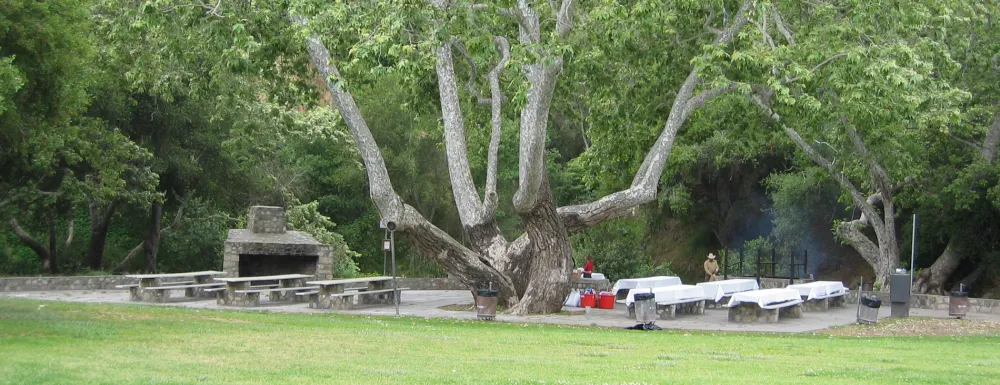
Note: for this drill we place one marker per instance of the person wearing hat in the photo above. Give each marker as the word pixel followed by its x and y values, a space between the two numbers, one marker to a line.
pixel 711 268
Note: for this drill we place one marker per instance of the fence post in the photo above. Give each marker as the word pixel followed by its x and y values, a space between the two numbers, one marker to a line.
pixel 805 263
pixel 773 256
pixel 741 262
pixel 725 265
pixel 758 267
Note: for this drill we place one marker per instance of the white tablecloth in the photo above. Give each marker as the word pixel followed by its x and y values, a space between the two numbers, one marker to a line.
pixel 715 290
pixel 819 289
pixel 596 276
pixel 670 294
pixel 645 283
pixel 764 297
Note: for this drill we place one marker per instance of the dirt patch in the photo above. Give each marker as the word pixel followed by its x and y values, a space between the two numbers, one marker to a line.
pixel 917 326
pixel 461 307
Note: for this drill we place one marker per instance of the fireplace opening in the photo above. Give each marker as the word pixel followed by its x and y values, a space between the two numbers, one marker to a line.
pixel 258 265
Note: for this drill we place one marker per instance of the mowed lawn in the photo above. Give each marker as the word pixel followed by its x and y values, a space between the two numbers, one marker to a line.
pixel 45 342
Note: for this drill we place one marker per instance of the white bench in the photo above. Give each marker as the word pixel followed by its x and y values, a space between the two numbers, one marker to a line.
pixel 275 293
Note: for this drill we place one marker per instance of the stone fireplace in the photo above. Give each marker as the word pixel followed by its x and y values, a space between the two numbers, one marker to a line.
pixel 265 247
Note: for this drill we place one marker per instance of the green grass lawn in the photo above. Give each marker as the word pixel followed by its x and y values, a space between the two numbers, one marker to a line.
pixel 71 343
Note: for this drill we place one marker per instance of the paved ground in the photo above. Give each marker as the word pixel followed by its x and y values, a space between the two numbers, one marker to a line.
pixel 427 303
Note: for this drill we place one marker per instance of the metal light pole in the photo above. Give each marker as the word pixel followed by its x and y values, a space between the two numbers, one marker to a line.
pixel 392 245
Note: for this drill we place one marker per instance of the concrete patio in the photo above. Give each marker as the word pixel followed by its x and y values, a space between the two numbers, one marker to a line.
pixel 427 303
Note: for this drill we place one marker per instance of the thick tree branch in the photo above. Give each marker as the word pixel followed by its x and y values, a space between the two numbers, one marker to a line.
pixel 992 140
pixel 782 28
pixel 496 102
pixel 843 180
pixel 389 204
pixel 851 232
pixel 703 97
pixel 646 180
pixel 564 20
pixel 530 30
pixel 464 189
pixel 28 240
pixel 429 239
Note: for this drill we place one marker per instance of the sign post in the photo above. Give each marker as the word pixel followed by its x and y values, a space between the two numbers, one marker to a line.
pixel 392 247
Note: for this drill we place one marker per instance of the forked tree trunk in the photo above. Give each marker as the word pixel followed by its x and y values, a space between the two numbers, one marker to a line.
pixel 531 272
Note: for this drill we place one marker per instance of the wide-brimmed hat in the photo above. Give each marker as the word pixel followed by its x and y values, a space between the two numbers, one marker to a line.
pixel 711 256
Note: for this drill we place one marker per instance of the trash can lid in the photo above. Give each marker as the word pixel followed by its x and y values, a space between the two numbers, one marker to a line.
pixel 871 301
pixel 959 294
pixel 487 293
pixel 642 296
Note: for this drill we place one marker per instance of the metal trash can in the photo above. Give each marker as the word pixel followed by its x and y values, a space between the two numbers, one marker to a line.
pixel 868 309
pixel 958 304
pixel 486 304
pixel 645 307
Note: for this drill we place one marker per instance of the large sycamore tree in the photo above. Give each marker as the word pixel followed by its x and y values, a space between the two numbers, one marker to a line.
pixel 531 43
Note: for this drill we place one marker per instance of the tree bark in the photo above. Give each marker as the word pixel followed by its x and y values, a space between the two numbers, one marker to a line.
pixel 100 221
pixel 151 245
pixel 52 267
pixel 553 257
pixel 43 254
pixel 932 279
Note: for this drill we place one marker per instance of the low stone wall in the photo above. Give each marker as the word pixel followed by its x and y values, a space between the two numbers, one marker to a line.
pixel 104 282
pixel 62 283
pixel 431 284
pixel 937 302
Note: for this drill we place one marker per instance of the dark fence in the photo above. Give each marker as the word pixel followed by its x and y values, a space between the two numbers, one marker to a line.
pixel 761 264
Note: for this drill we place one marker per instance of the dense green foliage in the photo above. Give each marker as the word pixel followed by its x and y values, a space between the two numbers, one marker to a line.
pixel 203 109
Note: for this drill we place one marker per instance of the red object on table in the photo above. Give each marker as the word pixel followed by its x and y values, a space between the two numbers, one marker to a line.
pixel 588 300
pixel 606 300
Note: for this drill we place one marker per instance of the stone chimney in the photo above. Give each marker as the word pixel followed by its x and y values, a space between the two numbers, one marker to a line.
pixel 267 219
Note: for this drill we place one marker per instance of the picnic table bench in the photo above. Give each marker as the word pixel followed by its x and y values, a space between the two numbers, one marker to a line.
pixel 152 287
pixel 241 291
pixel 671 300
pixel 768 305
pixel 821 295
pixel 336 293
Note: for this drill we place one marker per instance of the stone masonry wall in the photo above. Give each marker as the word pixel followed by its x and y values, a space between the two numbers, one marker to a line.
pixel 62 283
pixel 14 284
pixel 266 219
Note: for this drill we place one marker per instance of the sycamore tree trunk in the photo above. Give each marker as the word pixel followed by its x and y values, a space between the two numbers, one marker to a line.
pixel 151 244
pixel 532 271
pixel 932 280
pixel 100 221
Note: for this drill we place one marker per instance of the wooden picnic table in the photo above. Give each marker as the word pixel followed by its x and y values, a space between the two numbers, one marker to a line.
pixel 156 292
pixel 239 291
pixel 334 293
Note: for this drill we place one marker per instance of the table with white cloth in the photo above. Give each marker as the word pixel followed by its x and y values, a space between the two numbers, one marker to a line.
pixel 671 300
pixel 764 305
pixel 642 283
pixel 716 290
pixel 669 294
pixel 821 295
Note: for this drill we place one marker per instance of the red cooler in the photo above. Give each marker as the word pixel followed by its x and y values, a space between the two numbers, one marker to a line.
pixel 588 300
pixel 606 300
